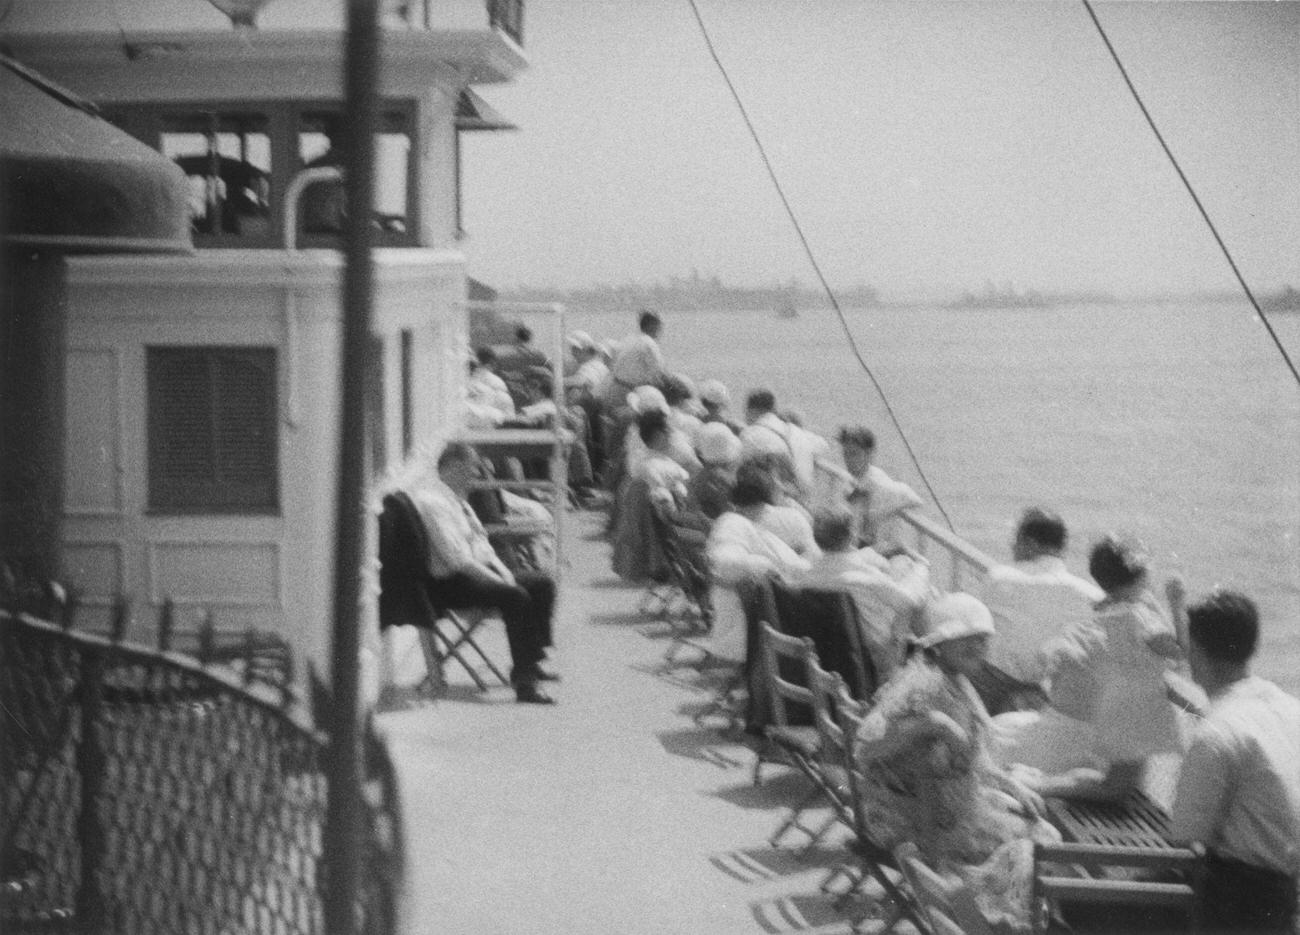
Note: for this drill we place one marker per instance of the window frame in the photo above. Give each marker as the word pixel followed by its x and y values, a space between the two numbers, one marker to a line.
pixel 148 122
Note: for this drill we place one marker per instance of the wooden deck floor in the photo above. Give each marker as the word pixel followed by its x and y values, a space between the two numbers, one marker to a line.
pixel 608 813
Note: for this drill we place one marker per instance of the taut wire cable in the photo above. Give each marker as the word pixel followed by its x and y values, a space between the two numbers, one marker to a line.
pixel 1191 191
pixel 812 260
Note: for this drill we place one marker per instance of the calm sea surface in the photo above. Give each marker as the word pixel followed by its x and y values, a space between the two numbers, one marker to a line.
pixel 1176 422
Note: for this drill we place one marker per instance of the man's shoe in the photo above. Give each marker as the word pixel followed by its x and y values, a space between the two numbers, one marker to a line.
pixel 531 694
pixel 545 675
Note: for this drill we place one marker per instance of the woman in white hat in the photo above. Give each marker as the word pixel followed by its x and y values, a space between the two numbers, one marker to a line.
pixel 924 748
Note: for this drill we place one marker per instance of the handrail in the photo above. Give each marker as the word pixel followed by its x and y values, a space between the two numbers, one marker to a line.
pixel 961 554
pixel 297 185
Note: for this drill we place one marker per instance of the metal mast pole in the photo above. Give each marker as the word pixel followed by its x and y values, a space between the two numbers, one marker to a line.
pixel 343 819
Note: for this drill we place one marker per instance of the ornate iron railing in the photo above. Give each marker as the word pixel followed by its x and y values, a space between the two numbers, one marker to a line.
pixel 507 16
pixel 141 792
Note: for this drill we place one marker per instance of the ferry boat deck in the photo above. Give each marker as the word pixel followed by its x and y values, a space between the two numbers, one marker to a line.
pixel 610 812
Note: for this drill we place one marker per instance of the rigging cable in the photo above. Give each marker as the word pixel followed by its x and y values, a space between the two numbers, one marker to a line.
pixel 1191 191
pixel 803 240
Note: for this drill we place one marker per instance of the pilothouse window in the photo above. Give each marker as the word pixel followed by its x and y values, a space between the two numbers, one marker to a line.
pixel 227 159
pixel 322 210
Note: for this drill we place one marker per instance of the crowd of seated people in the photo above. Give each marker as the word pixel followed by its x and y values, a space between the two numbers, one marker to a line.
pixel 1041 683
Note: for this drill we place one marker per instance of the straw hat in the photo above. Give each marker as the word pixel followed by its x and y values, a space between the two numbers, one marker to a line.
pixel 714 391
pixel 954 616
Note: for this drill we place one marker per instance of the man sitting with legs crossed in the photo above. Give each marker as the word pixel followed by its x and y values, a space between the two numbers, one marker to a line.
pixel 466 571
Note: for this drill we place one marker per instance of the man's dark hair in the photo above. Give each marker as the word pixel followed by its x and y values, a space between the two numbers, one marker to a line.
pixel 1043 528
pixel 455 452
pixel 1225 625
pixel 754 485
pixel 523 334
pixel 1117 561
pixel 486 356
pixel 649 321
pixel 650 423
pixel 833 528
pixel 858 435
pixel 761 401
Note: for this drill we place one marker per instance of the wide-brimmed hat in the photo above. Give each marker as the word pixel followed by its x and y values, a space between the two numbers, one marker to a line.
pixel 581 340
pixel 954 616
pixel 716 443
pixel 646 397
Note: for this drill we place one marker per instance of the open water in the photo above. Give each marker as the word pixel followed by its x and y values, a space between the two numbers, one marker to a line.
pixel 1177 422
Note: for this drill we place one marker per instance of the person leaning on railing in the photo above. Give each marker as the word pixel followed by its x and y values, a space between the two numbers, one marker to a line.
pixel 1238 792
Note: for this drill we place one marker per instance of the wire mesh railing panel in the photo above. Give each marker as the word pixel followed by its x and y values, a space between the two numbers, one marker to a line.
pixel 146 795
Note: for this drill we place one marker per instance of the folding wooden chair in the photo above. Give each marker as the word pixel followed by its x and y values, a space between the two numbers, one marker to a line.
pixel 832 751
pixel 949 907
pixel 406 596
pixel 792 732
pixel 1087 880
pixel 873 859
pixel 830 619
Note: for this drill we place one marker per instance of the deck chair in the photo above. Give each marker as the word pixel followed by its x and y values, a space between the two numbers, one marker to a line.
pixel 1081 882
pixel 792 733
pixel 871 859
pixel 948 907
pixel 406 597
pixel 832 751
pixel 830 619
pixel 687 610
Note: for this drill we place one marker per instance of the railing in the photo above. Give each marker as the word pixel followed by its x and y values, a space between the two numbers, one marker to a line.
pixel 141 792
pixel 507 16
pixel 955 564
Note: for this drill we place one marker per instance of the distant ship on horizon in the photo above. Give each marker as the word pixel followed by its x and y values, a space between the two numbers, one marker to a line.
pixel 1004 296
pixel 1285 300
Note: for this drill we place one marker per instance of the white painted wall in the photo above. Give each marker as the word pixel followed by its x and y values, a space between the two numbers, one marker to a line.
pixel 272 572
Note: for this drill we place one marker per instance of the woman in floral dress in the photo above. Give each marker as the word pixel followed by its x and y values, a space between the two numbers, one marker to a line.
pixel 923 749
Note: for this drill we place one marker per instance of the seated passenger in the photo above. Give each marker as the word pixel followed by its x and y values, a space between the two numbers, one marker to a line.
pixel 466 572
pixel 489 401
pixel 679 393
pixel 740 550
pixel 1122 656
pixel 876 498
pixel 677 445
pixel 782 516
pixel 1034 603
pixel 718 449
pixel 1238 793
pixel 888 593
pixel 714 399
pixel 656 483
pixel 767 432
pixel 923 748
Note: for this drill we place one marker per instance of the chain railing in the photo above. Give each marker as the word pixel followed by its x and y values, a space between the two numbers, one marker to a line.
pixel 142 793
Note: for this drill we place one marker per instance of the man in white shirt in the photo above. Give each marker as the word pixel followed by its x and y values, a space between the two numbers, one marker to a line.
pixel 888 593
pixel 637 362
pixel 466 571
pixel 875 498
pixel 1238 791
pixel 488 399
pixel 1035 602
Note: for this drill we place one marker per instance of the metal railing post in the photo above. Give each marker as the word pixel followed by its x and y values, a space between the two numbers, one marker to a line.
pixel 90 771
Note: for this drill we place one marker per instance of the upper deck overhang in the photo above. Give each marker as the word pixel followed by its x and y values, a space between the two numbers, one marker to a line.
pixel 259 65
pixel 71 182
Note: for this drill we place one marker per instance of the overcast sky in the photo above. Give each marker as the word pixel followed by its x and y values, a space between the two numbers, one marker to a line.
pixel 924 146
